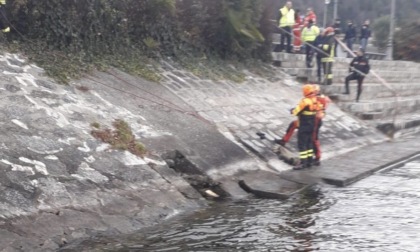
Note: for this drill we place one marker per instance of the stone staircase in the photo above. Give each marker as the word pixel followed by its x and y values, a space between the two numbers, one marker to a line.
pixel 378 105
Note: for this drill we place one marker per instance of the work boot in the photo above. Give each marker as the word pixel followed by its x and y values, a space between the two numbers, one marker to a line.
pixel 309 163
pixel 316 162
pixel 280 142
pixel 299 166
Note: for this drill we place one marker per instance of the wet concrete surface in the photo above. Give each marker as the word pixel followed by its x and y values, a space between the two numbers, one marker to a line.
pixel 379 213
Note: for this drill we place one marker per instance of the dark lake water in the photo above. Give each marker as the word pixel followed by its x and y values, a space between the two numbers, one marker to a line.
pixel 380 213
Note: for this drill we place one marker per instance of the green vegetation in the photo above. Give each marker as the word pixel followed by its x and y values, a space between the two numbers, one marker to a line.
pixel 407 42
pixel 121 138
pixel 95 125
pixel 381 27
pixel 70 38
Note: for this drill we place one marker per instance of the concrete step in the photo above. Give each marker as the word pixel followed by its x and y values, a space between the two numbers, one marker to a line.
pixel 341 74
pixel 373 90
pixel 402 124
pixel 298 60
pixel 382 108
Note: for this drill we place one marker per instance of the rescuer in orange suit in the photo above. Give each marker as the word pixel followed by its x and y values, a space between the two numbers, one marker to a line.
pixel 306 111
pixel 322 103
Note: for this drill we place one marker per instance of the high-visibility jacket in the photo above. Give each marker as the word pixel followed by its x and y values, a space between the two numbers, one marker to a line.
pixel 287 17
pixel 306 110
pixel 2 2
pixel 327 47
pixel 310 34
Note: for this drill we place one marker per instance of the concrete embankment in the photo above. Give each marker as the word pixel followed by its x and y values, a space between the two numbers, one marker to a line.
pixel 60 184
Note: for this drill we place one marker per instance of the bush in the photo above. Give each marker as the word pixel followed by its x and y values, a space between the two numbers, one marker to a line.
pixel 108 32
pixel 406 42
pixel 381 32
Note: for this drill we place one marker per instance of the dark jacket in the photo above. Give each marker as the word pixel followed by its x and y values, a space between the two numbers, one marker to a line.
pixel 361 63
pixel 327 46
pixel 318 41
pixel 350 32
pixel 365 32
pixel 337 28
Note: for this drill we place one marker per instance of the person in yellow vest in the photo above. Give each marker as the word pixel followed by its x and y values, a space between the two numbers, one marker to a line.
pixel 4 23
pixel 286 21
pixel 327 54
pixel 309 34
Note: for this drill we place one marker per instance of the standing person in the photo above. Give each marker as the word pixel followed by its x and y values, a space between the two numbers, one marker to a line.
pixel 359 68
pixel 350 35
pixel 322 102
pixel 310 15
pixel 309 35
pixel 306 111
pixel 297 33
pixel 4 26
pixel 327 54
pixel 286 21
pixel 319 41
pixel 364 35
pixel 337 32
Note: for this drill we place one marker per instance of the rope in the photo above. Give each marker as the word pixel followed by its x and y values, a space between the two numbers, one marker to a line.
pixel 172 108
pixel 377 76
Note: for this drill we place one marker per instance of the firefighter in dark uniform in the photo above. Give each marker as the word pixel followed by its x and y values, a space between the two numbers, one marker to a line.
pixel 4 24
pixel 327 54
pixel 359 68
pixel 306 110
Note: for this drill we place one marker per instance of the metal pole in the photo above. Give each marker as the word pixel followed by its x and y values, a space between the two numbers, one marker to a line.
pixel 325 14
pixel 390 49
pixel 335 9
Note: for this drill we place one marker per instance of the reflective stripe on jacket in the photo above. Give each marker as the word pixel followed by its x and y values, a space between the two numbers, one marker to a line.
pixel 3 2
pixel 328 48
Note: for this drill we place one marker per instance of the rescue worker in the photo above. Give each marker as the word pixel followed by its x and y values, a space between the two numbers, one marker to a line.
pixel 4 24
pixel 306 111
pixel 359 68
pixel 286 21
pixel 309 35
pixel 327 55
pixel 297 33
pixel 322 103
pixel 310 15
pixel 318 41
pixel 289 133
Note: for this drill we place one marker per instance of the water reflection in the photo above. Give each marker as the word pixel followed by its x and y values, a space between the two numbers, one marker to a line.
pixel 379 213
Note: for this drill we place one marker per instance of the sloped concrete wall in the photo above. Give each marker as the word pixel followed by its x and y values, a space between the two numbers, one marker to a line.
pixel 59 183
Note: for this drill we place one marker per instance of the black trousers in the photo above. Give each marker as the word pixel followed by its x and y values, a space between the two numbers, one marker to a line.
pixel 318 68
pixel 286 35
pixel 305 139
pixel 309 50
pixel 328 75
pixel 359 78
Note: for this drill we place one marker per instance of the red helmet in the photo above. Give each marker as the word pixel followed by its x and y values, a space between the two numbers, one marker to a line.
pixel 328 31
pixel 308 90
